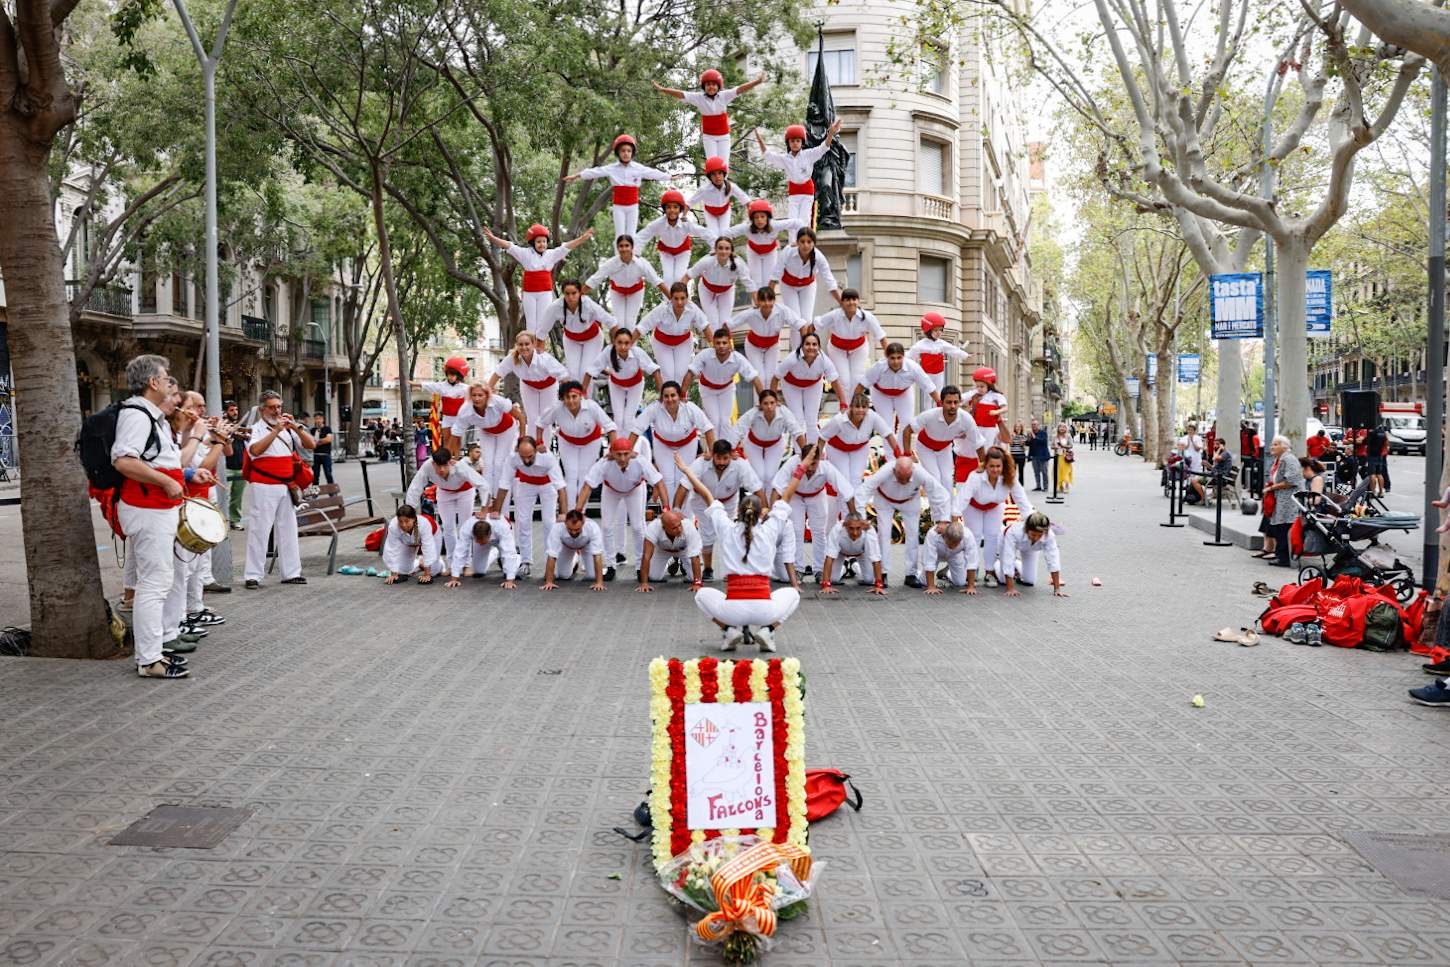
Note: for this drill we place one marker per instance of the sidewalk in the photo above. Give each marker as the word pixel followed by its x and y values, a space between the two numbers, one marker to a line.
pixel 434 776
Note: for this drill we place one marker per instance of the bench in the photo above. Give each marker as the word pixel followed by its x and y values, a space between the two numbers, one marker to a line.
pixel 324 514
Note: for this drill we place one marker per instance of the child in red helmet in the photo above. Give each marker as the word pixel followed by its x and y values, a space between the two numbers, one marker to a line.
pixel 762 239
pixel 452 393
pixel 538 262
pixel 931 351
pixel 798 161
pixel 625 175
pixel 988 409
pixel 712 100
pixel 671 232
pixel 717 196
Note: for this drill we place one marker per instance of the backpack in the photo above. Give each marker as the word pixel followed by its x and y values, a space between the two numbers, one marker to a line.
pixel 1381 627
pixel 826 791
pixel 98 434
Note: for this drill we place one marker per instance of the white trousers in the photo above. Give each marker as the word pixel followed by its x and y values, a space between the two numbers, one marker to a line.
pixel 805 403
pixel 851 366
pixel 534 304
pixel 664 458
pixel 897 411
pixel 151 539
pixel 526 497
pixel 128 570
pixel 578 355
pixel 717 306
pixel 852 464
pixel 762 267
pixel 765 461
pixel 536 402
pixel 716 226
pixel 618 512
pixel 496 449
pixel 674 361
pixel 673 267
pixel 802 301
pixel 819 510
pixel 941 464
pixel 755 612
pixel 625 308
pixel 938 380
pixel 452 510
pixel 956 570
pixel 715 146
pixel 626 220
pixel 660 561
pixel 624 404
pixel 986 525
pixel 270 509
pixel 185 574
pixel 801 208
pixel 910 523
pixel 575 462
pixel 564 565
pixel 719 407
pixel 765 361
pixel 1026 566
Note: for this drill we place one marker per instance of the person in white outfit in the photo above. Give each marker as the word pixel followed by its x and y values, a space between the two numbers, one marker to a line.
pixel 800 271
pixel 625 365
pixel 988 409
pixel 627 276
pixel 583 323
pixel 746 549
pixel 931 351
pixel 761 231
pixel 672 237
pixel 980 500
pixel 676 426
pixel 953 547
pixel 849 333
pixel 811 504
pixel 712 101
pixel 798 162
pixel 532 477
pixel 452 393
pixel 717 275
pixel 765 430
pixel 201 453
pixel 853 540
pixel 456 487
pixel 936 430
pixel 145 454
pixel 410 546
pixel 717 198
pixel 625 176
pixel 572 539
pixel 671 546
pixel 715 369
pixel 894 383
pixel 478 544
pixel 580 425
pixel 801 378
pixel 627 480
pixel 726 475
pixel 764 323
pixel 538 373
pixel 671 326
pixel 272 452
pixel 1024 544
pixel 538 262
pixel 896 488
pixel 847 440
pixel 498 421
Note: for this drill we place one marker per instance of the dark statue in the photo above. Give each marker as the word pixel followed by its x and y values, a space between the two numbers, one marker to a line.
pixel 830 172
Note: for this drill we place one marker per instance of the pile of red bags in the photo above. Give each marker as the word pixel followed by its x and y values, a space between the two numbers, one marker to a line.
pixel 1341 609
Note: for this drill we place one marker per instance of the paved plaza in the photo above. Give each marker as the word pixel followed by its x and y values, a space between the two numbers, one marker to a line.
pixel 434 776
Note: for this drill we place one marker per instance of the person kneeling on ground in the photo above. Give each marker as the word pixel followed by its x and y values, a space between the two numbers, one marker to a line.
pixel 480 542
pixel 672 545
pixel 953 547
pixel 407 541
pixel 574 537
pixel 853 540
pixel 1022 545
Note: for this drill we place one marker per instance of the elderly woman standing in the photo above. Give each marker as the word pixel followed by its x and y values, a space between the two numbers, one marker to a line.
pixel 1285 479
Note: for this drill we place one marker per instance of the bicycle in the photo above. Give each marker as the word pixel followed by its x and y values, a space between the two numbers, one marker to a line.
pixel 1126 447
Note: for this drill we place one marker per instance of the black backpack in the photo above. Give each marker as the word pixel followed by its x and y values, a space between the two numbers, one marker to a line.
pixel 94 442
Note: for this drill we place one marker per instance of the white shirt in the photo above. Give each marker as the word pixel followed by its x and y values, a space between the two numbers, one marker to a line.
pixel 931 354
pixel 935 553
pixel 798 166
pixel 717 375
pixel 717 201
pixel 1016 544
pixel 400 550
pixel 497 416
pixel 541 368
pixel 590 421
pixel 1192 446
pixel 667 236
pixel 532 261
pixel 589 541
pixel 840 427
pixel 938 432
pixel 766 434
pixel 904 496
pixel 662 319
pixel 588 317
pixel 674 431
pixel 710 269
pixel 977 487
pixel 710 106
pixel 726 487
pixel 622 274
pixel 791 264
pixel 134 430
pixel 460 478
pixel 795 371
pixel 636 362
pixel 622 480
pixel 687 545
pixel 764 332
pixel 835 325
pixel 812 485
pixel 466 547
pixel 839 544
pixel 623 175
pixel 285 444
pixel 730 554
pixel 881 378
pixel 546 465
pixel 766 243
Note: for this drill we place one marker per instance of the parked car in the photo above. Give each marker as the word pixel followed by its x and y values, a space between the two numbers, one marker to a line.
pixel 1406 432
pixel 1335 433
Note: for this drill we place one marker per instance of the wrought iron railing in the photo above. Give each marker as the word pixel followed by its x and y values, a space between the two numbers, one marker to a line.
pixel 111 300
pixel 256 328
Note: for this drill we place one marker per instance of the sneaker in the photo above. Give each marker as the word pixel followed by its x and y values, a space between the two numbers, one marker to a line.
pixel 1439 668
pixel 178 660
pixel 238 527
pixel 765 638
pixel 848 568
pixel 1313 635
pixel 299 579
pixel 178 646
pixel 194 631
pixel 912 581
pixel 673 567
pixel 206 616
pixel 708 574
pixel 619 558
pixel 729 638
pixel 189 637
pixel 350 569
pixel 1296 635
pixel 373 572
pixel 808 572
pixel 214 588
pixel 162 669
pixel 252 585
pixel 609 574
pixel 1433 694
pixel 525 569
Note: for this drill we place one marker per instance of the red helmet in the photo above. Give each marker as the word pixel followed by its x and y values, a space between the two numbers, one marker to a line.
pixel 672 197
pixel 760 205
pixel 932 320
pixel 623 139
pixel 456 364
pixel 535 231
pixel 712 75
pixel 795 131
pixel 621 444
pixel 985 374
pixel 713 165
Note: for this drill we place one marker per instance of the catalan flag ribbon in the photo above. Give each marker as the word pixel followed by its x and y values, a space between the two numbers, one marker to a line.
pixel 745 904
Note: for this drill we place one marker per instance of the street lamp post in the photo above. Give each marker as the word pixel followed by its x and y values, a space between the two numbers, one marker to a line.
pixel 326 367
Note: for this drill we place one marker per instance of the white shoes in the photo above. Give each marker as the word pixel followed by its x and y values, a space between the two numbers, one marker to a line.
pixel 765 638
pixel 729 638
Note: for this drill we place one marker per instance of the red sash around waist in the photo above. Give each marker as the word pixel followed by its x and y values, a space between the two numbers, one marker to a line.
pixel 451 404
pixel 585 440
pixel 931 443
pixel 848 345
pixel 933 363
pixel 761 342
pixel 904 500
pixel 752 587
pixel 628 490
pixel 807 187
pixel 676 444
pixel 502 426
pixel 798 281
pixel 264 470
pixel 539 280
pixel 762 248
pixel 626 194
pixel 627 289
pixel 715 125
pixel 455 490
pixel 717 386
pixel 718 289
pixel 763 444
pixel 984 414
pixel 887 390
pixel 634 380
pixel 538 480
pixel 584 335
pixel 152 497
pixel 680 249
pixel 840 444
pixel 718 210
pixel 810 493
pixel 795 380
pixel 540 384
pixel 984 507
pixel 673 339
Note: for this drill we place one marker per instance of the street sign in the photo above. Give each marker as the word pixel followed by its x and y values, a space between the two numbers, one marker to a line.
pixel 1133 389
pixel 1318 302
pixel 1152 367
pixel 1236 305
pixel 1189 366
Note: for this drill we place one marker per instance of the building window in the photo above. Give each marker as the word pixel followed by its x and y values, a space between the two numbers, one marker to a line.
pixel 855 273
pixel 148 286
pixel 989 296
pixel 849 142
pixel 269 303
pixel 178 294
pixel 932 166
pixel 840 59
pixel 934 68
pixel 932 278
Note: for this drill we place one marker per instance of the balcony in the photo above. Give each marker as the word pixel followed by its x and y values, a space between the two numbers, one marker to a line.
pixel 256 329
pixel 313 349
pixel 112 301
pixel 897 203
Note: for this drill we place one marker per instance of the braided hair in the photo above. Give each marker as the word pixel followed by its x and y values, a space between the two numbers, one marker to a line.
pixel 749 516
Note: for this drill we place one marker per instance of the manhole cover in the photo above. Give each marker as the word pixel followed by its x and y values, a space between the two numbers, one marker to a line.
pixel 187 827
pixel 1416 864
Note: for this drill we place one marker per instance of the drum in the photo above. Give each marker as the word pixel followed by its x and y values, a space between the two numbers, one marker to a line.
pixel 201 526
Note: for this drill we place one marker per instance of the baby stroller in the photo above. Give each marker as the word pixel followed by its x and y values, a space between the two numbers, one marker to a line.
pixel 1344 534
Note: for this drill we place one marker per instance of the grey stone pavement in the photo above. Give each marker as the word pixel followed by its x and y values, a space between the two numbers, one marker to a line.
pixel 434 776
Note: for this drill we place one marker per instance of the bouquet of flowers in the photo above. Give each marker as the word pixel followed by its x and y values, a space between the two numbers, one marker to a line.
pixel 743 885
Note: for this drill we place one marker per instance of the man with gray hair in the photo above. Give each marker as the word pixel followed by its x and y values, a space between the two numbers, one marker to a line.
pixel 852 539
pixel 273 449
pixel 953 546
pixel 146 455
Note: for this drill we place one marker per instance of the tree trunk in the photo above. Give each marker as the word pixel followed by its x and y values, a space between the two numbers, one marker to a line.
pixel 395 313
pixel 67 609
pixel 354 426
pixel 1146 410
pixel 1164 399
pixel 1228 399
pixel 1292 377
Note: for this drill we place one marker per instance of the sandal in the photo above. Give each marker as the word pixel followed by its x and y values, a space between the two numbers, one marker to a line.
pixel 1263 590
